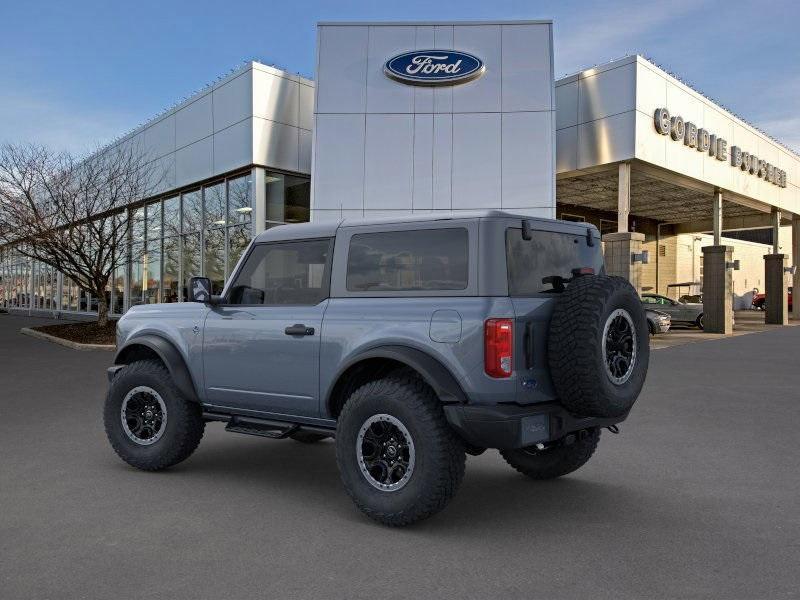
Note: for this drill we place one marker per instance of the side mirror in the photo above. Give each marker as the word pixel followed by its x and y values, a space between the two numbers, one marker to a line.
pixel 200 289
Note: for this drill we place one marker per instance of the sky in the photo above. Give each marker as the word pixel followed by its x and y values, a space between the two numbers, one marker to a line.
pixel 74 75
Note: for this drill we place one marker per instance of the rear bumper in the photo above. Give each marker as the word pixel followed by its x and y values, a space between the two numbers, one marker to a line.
pixel 508 426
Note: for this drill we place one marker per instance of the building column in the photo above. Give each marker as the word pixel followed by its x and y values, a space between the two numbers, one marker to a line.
pixel 796 263
pixel 258 195
pixel 717 217
pixel 777 309
pixel 619 252
pixel 717 289
pixel 623 197
pixel 776 230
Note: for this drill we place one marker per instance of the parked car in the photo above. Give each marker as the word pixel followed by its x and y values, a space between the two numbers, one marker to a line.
pixel 657 321
pixel 685 313
pixel 411 341
pixel 760 300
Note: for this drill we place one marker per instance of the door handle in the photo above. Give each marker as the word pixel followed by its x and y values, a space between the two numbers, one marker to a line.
pixel 299 329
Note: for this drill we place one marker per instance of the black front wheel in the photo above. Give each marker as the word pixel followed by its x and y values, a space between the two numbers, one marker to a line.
pixel 150 425
pixel 560 458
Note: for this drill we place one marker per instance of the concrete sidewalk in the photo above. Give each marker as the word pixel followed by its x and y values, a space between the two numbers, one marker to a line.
pixel 696 498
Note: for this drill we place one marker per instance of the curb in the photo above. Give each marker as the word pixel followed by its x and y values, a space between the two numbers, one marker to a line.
pixel 62 342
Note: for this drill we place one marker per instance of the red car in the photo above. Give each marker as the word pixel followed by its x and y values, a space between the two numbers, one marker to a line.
pixel 760 300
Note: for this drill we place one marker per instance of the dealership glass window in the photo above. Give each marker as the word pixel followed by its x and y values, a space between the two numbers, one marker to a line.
pixel 151 265
pixel 240 210
pixel 171 274
pixel 154 220
pixel 215 205
pixel 192 211
pixel 238 239
pixel 118 291
pixel 136 278
pixel 288 199
pixel 137 225
pixel 214 261
pixel 284 273
pixel 190 260
pixel 433 259
pixel 172 216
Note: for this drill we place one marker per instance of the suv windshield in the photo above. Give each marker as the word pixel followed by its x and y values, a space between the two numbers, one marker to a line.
pixel 547 256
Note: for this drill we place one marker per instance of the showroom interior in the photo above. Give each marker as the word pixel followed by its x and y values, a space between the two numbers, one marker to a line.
pixel 682 190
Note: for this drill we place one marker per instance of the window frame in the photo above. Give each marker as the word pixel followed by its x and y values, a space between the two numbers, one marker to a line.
pixel 326 274
pixel 342 253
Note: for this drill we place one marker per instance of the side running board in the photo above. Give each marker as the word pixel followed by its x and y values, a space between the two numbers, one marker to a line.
pixel 263 427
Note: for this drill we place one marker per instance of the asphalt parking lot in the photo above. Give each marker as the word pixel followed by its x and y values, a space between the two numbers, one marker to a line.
pixel 696 498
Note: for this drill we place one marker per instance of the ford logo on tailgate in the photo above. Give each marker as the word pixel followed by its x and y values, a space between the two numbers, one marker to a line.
pixel 434 67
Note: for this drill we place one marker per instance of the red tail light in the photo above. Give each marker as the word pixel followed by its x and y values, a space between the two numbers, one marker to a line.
pixel 498 344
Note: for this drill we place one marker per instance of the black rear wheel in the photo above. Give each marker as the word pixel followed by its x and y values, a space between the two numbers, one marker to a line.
pixel 398 458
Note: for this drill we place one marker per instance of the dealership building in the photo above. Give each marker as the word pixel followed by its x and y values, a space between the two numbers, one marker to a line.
pixel 443 117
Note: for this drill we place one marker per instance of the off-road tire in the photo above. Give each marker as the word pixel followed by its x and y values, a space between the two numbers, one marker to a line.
pixel 556 461
pixel 184 424
pixel 575 346
pixel 308 437
pixel 440 456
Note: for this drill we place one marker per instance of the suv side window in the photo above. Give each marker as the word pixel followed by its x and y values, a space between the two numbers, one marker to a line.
pixel 284 273
pixel 426 259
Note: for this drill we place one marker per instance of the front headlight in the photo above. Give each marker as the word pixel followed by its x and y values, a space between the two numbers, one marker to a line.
pixel 663 318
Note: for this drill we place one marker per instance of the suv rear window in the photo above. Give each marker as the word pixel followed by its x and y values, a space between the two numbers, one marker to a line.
pixel 427 259
pixel 547 254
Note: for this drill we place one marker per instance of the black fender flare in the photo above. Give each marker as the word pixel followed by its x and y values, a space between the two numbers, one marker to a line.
pixel 430 369
pixel 171 358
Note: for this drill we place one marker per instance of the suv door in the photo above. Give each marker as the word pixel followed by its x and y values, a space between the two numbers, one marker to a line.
pixel 261 344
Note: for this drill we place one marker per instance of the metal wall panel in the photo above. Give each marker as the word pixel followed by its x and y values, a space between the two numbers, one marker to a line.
pixel 566 149
pixel 342 69
pixel 423 163
pixel 385 95
pixel 338 176
pixel 443 37
pixel 194 121
pixel 233 101
pixel 606 140
pixel 194 162
pixel 526 70
pixel 233 146
pixel 567 105
pixel 275 145
pixel 305 149
pixel 159 138
pixel 276 98
pixel 477 160
pixel 425 38
pixel 442 161
pixel 483 94
pixel 527 165
pixel 607 93
pixel 306 107
pixel 388 174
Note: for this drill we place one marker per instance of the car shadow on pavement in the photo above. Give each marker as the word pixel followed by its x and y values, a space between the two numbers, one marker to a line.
pixel 492 494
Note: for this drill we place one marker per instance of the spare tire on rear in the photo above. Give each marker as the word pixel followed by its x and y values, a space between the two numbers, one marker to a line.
pixel 598 346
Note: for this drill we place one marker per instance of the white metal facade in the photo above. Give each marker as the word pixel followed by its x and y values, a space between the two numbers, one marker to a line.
pixel 383 147
pixel 606 115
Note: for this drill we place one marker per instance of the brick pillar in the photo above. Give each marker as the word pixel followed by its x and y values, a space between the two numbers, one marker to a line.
pixel 619 248
pixel 717 289
pixel 777 312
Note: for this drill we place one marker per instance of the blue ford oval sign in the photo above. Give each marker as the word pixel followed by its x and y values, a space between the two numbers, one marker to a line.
pixel 434 67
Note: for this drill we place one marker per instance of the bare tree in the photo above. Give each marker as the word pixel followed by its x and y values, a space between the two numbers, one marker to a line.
pixel 69 213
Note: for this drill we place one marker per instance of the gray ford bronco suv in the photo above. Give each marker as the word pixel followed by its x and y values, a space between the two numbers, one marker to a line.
pixel 411 341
